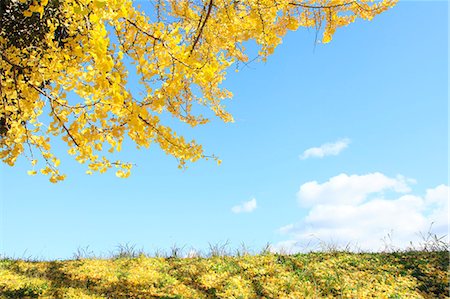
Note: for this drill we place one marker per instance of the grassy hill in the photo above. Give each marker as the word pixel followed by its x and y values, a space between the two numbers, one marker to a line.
pixel 411 274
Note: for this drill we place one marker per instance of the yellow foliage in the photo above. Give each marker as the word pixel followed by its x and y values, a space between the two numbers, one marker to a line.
pixel 313 275
pixel 72 82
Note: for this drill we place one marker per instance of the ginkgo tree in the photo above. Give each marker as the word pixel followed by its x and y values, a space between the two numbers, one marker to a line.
pixel 64 66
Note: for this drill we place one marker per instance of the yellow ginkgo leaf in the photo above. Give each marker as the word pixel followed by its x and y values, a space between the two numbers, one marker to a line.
pixel 100 3
pixel 27 13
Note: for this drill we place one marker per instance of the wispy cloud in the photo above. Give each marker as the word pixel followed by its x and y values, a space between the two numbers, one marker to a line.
pixel 245 207
pixel 353 209
pixel 326 149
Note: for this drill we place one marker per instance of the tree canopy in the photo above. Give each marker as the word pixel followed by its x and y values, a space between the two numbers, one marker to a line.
pixel 64 66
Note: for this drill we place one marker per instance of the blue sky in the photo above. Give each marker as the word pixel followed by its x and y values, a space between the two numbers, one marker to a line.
pixel 343 142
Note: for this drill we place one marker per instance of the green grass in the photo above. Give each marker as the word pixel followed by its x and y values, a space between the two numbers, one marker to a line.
pixel 129 273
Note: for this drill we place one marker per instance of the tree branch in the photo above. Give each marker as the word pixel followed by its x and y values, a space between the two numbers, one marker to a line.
pixel 197 38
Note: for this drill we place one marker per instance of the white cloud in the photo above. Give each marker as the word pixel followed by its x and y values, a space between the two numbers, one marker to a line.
pixel 286 229
pixel 351 210
pixel 326 149
pixel 345 189
pixel 437 202
pixel 245 207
